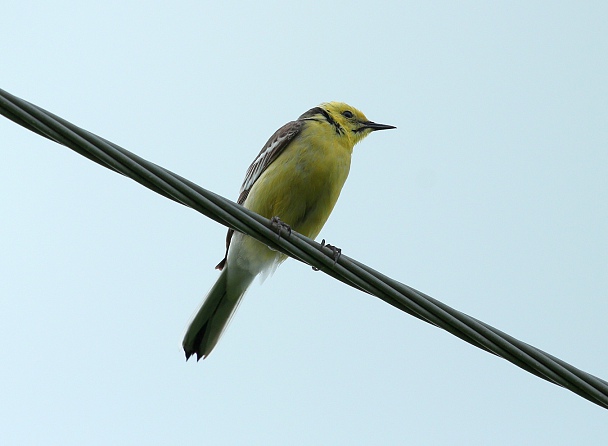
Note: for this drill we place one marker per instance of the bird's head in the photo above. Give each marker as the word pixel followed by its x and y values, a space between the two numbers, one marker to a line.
pixel 347 121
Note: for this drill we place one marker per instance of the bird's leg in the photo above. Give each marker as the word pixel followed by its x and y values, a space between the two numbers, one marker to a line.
pixel 336 252
pixel 280 225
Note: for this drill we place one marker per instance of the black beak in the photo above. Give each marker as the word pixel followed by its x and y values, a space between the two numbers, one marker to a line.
pixel 373 126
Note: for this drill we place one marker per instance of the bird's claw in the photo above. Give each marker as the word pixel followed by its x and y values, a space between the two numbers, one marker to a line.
pixel 280 225
pixel 336 253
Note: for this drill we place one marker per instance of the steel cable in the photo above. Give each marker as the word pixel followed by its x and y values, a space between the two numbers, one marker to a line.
pixel 301 248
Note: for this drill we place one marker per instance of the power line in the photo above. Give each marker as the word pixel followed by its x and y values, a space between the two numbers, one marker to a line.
pixel 347 270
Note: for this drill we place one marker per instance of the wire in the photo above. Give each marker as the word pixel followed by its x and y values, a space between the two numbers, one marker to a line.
pixel 345 269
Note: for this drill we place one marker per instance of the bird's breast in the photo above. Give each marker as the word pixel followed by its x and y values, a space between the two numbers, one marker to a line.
pixel 302 185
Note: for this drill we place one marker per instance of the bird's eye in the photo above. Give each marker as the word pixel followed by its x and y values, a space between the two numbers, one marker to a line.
pixel 347 114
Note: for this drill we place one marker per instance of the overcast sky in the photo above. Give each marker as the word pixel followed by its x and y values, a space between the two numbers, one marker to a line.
pixel 491 196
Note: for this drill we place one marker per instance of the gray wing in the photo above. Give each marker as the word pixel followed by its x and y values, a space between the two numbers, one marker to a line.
pixel 271 150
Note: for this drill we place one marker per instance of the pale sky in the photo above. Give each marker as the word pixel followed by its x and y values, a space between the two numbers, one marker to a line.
pixel 491 196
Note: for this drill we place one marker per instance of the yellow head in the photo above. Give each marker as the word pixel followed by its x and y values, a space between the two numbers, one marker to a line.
pixel 347 121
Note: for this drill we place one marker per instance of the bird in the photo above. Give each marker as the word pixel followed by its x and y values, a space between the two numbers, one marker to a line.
pixel 295 180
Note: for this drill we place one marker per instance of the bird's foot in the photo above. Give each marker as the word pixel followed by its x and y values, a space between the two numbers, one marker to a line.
pixel 280 226
pixel 336 252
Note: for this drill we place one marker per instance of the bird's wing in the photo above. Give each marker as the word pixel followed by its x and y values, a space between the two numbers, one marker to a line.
pixel 271 150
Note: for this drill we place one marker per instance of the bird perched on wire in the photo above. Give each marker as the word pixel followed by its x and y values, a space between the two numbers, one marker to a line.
pixel 297 178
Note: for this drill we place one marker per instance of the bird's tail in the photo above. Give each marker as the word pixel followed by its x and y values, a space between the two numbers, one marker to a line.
pixel 215 313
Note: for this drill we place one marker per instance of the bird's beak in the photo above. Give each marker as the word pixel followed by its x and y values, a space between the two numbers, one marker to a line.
pixel 373 126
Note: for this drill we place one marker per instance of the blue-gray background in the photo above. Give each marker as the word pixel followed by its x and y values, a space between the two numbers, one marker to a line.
pixel 491 196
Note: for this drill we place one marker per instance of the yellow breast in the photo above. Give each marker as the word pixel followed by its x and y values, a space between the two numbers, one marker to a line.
pixel 302 185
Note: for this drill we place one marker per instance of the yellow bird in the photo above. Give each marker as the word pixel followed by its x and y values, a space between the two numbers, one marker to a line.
pixel 297 178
